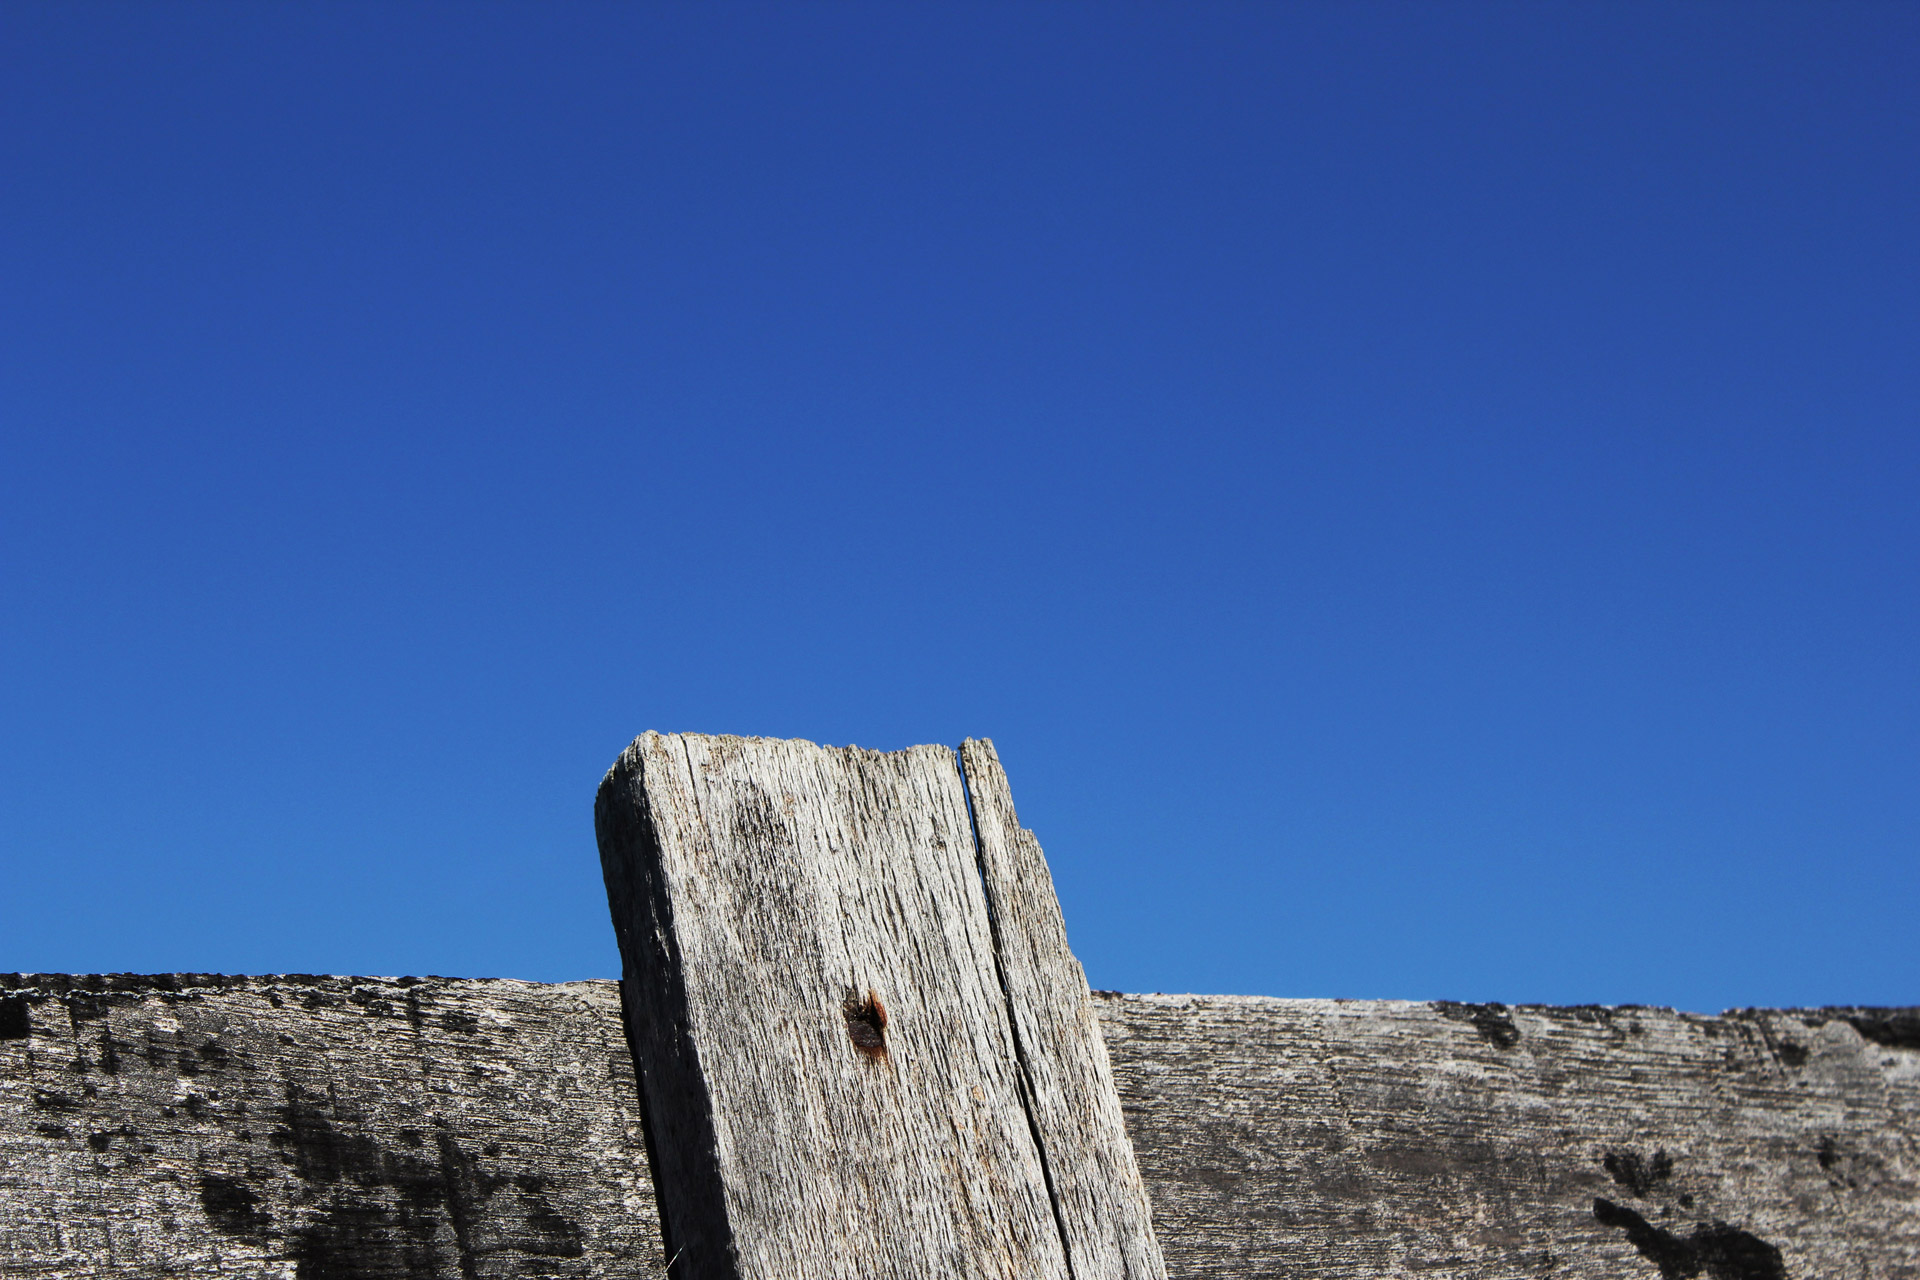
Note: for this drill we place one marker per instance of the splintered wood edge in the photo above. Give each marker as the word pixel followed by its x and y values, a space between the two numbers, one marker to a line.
pixel 1100 1200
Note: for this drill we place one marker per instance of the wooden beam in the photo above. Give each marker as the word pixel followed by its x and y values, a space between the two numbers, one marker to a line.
pixel 1097 1191
pixel 445 1129
pixel 861 1044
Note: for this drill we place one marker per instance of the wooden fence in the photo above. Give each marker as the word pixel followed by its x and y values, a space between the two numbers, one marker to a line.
pixel 865 1050
pixel 441 1129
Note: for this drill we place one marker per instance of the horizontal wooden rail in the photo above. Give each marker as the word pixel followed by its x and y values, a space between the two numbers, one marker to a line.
pixel 444 1129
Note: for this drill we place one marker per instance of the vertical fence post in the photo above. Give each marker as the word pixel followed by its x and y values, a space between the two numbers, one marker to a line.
pixel 862 1045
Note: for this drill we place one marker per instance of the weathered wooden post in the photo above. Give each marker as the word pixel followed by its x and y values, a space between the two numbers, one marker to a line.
pixel 863 1047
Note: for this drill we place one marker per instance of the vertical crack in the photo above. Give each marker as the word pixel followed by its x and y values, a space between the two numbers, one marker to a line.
pixel 1013 1020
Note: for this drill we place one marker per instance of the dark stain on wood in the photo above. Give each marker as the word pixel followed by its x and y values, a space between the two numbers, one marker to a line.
pixel 1894 1028
pixel 356 1239
pixel 1713 1249
pixel 232 1207
pixel 16 1022
pixel 1492 1021
pixel 318 1152
pixel 1637 1174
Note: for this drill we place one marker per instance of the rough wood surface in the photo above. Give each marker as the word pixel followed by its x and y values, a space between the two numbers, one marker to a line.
pixel 835 1079
pixel 373 1129
pixel 1341 1140
pixel 318 1129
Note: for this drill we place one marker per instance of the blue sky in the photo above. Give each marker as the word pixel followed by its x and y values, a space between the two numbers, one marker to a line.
pixel 1424 497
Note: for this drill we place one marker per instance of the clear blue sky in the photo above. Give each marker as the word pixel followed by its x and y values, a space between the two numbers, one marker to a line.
pixel 1426 498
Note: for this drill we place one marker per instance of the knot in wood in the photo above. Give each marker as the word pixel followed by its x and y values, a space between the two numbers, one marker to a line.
pixel 866 1023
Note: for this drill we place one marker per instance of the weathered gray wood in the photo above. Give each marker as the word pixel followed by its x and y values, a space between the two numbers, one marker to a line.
pixel 765 890
pixel 1097 1192
pixel 1347 1139
pixel 833 1075
pixel 318 1128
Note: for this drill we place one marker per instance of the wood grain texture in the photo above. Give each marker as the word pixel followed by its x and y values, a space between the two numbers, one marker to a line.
pixel 318 1129
pixel 374 1129
pixel 1340 1140
pixel 762 890
pixel 1098 1195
